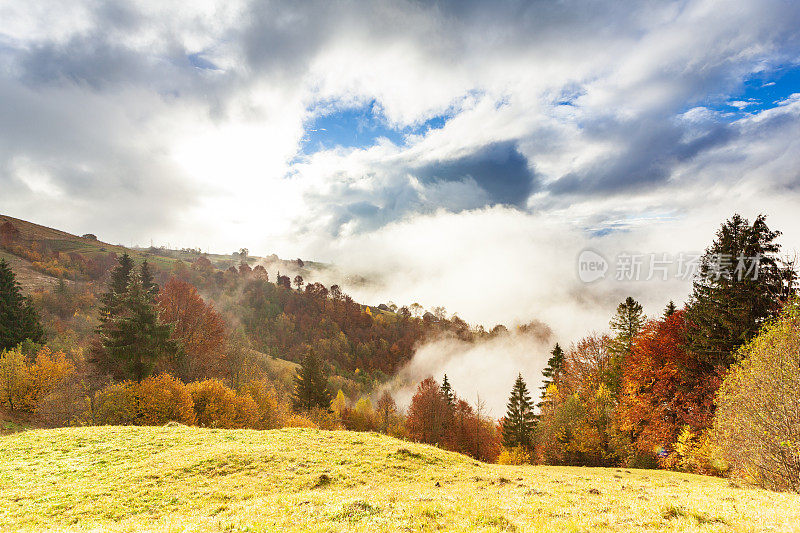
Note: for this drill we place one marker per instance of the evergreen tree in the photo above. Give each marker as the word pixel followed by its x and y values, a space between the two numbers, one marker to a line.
pixel 311 386
pixel 670 309
pixel 741 283
pixel 447 392
pixel 551 371
pixel 150 287
pixel 117 287
pixel 519 421
pixel 626 324
pixel 18 318
pixel 133 340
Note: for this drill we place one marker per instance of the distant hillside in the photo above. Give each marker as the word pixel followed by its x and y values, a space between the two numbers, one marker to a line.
pixel 188 479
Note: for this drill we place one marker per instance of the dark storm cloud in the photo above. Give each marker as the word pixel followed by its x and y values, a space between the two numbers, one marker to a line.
pixel 498 168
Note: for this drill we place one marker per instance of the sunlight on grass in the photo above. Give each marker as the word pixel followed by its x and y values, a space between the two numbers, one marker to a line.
pixel 180 479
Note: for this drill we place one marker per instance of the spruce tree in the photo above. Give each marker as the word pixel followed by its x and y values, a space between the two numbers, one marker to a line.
pixel 133 340
pixel 519 422
pixel 551 371
pixel 311 386
pixel 118 283
pixel 741 283
pixel 18 318
pixel 670 309
pixel 447 392
pixel 150 287
pixel 626 324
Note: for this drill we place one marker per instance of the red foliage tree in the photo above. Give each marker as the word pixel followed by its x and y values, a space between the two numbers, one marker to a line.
pixel 198 327
pixel 428 414
pixel 664 388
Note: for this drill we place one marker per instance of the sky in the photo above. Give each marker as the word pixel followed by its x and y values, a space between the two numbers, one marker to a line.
pixel 455 153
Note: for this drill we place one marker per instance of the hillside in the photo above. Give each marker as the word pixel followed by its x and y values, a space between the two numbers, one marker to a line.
pixel 177 478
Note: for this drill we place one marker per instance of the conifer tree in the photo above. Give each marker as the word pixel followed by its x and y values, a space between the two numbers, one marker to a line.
pixel 741 283
pixel 670 309
pixel 551 371
pixel 133 340
pixel 519 422
pixel 311 386
pixel 117 287
pixel 18 318
pixel 150 287
pixel 626 324
pixel 447 392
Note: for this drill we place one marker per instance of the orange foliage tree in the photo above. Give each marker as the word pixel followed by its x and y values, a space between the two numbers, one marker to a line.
pixel 197 326
pixel 664 389
pixel 428 414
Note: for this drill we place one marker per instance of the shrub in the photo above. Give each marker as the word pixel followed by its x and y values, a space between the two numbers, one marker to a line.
pixel 217 406
pixel 24 384
pixel 758 406
pixel 514 456
pixel 115 405
pixel 162 399
pixel 269 415
pixel 299 421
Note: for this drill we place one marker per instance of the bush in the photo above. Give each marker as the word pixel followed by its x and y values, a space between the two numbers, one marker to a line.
pixel 514 456
pixel 217 406
pixel 299 421
pixel 153 402
pixel 757 421
pixel 162 399
pixel 269 415
pixel 24 384
pixel 115 405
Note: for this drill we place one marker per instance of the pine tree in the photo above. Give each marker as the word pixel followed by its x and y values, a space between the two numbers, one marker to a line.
pixel 18 318
pixel 150 287
pixel 133 340
pixel 311 386
pixel 519 421
pixel 626 324
pixel 670 309
pixel 117 287
pixel 741 284
pixel 551 371
pixel 447 392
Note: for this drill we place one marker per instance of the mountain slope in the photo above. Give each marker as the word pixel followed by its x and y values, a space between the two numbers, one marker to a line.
pixel 177 478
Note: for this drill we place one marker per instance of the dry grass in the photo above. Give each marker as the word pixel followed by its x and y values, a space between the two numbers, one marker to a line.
pixel 190 479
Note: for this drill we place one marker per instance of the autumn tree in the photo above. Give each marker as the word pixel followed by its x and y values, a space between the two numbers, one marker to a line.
pixel 428 413
pixel 386 411
pixel 311 386
pixel 664 389
pixel 197 326
pixel 18 318
pixel 519 421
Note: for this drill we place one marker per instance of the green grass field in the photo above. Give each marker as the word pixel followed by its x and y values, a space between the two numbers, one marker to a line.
pixel 189 479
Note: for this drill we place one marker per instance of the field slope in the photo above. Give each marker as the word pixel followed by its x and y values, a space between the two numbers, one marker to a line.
pixel 189 479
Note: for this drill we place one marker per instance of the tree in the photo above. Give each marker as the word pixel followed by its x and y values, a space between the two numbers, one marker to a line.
pixel 626 324
pixel 133 340
pixel 741 283
pixel 519 421
pixel 670 309
pixel 757 421
pixel 298 282
pixel 117 287
pixel 18 318
pixel 197 326
pixel 387 411
pixel 551 371
pixel 447 392
pixel 427 414
pixel 149 286
pixel 311 386
pixel 664 389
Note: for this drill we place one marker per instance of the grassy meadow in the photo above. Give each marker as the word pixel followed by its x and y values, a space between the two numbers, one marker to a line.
pixel 189 479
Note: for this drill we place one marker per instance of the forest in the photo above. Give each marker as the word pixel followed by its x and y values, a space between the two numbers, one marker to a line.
pixel 126 337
